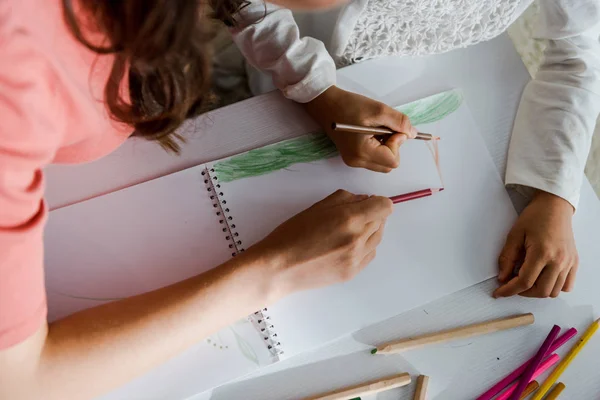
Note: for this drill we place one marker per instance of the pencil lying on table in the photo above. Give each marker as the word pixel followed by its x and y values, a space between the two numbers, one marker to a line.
pixel 455 334
pixel 560 368
pixel 553 395
pixel 366 389
pixel 421 389
pixel 365 130
pixel 532 387
pixel 514 375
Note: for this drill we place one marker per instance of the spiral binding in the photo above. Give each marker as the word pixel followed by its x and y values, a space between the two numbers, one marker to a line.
pixel 261 320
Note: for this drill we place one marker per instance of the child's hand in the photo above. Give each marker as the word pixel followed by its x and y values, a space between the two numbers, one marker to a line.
pixel 337 105
pixel 542 238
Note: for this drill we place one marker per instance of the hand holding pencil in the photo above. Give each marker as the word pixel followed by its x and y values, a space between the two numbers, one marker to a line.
pixel 358 149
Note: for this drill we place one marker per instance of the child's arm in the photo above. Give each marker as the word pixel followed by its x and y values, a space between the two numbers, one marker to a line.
pixel 269 39
pixel 304 71
pixel 549 149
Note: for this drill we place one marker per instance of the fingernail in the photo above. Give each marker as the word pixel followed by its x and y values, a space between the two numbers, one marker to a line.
pixel 414 131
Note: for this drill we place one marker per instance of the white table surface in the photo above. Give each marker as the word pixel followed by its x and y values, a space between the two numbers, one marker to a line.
pixel 492 78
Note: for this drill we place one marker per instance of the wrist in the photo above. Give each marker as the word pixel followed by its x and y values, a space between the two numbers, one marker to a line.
pixel 552 201
pixel 261 269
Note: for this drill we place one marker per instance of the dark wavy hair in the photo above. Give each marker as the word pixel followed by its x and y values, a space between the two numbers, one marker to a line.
pixel 161 48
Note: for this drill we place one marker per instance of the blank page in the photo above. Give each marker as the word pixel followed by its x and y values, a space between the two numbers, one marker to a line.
pixel 432 246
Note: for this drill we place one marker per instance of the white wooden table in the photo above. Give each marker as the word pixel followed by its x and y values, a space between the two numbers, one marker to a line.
pixel 492 78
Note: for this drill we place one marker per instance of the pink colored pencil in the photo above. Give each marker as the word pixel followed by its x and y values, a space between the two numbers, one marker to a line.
pixel 547 363
pixel 414 195
pixel 498 387
pixel 535 363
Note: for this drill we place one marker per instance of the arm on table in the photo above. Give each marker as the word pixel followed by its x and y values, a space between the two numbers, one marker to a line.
pixel 95 350
pixel 549 149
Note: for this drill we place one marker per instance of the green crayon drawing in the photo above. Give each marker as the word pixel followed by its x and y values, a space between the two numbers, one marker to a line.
pixel 317 147
pixel 433 108
pixel 274 157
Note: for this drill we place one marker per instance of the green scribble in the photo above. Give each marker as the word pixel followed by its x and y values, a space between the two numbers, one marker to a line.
pixel 433 108
pixel 274 157
pixel 245 347
pixel 315 147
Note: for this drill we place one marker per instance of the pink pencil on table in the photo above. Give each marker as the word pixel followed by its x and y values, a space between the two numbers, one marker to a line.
pixel 498 387
pixel 414 195
pixel 535 362
pixel 547 363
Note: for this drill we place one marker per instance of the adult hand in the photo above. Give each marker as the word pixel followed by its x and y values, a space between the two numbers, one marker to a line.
pixel 329 242
pixel 542 239
pixel 337 105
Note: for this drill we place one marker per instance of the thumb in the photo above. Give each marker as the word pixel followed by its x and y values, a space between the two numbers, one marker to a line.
pixel 398 122
pixel 510 255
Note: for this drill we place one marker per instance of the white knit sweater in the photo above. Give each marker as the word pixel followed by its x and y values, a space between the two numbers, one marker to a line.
pixel 558 110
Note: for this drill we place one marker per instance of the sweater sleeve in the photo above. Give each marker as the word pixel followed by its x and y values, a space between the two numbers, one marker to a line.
pixel 267 35
pixel 558 111
pixel 30 131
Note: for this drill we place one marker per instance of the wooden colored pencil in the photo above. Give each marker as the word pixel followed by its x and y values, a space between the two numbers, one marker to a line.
pixel 366 130
pixel 562 366
pixel 504 382
pixel 455 334
pixel 421 389
pixel 532 387
pixel 544 366
pixel 535 363
pixel 553 395
pixel 366 389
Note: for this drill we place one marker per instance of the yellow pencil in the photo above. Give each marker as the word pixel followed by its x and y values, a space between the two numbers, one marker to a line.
pixel 553 395
pixel 562 366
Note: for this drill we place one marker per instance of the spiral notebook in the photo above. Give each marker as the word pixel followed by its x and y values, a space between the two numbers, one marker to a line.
pixel 165 230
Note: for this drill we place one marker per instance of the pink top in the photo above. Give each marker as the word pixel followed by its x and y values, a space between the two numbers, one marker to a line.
pixel 51 110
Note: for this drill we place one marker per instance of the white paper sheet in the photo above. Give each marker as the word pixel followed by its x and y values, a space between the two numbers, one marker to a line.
pixel 139 239
pixel 432 246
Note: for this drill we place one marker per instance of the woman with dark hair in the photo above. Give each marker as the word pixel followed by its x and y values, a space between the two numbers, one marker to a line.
pixel 76 79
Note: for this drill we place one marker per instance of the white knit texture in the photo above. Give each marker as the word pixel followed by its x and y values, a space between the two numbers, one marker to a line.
pixel 420 27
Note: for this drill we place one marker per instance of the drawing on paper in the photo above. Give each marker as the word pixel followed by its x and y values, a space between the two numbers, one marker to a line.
pixel 219 341
pixel 317 147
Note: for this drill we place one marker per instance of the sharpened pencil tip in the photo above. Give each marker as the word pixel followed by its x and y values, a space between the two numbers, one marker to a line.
pixel 373 351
